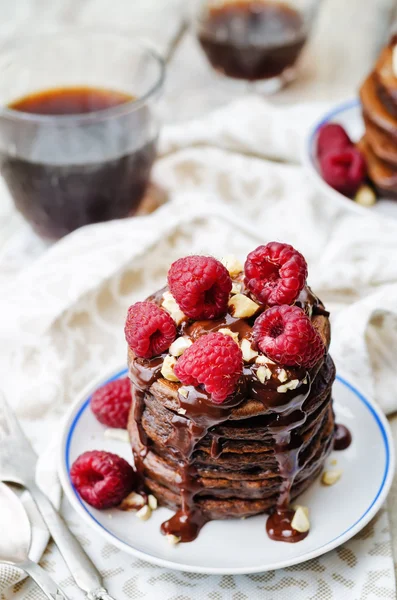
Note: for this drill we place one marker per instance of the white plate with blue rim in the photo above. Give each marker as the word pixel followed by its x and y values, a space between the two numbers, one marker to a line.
pixel 241 546
pixel 348 114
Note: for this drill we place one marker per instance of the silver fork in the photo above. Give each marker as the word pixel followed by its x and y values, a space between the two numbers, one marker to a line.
pixel 18 465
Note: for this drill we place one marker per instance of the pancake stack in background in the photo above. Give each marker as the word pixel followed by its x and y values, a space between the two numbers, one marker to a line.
pixel 379 104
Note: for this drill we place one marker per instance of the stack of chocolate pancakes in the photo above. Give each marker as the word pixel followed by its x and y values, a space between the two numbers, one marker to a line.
pixel 253 453
pixel 379 104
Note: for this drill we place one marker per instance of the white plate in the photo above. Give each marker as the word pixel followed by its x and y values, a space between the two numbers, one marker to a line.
pixel 242 546
pixel 349 116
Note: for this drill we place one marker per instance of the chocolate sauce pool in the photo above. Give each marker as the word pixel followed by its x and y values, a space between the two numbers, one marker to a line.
pixel 279 528
pixel 197 415
pixel 342 437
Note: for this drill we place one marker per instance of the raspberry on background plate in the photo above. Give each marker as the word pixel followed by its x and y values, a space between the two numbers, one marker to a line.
pixel 331 137
pixel 344 170
pixel 112 402
pixel 215 361
pixel 149 329
pixel 286 335
pixel 201 286
pixel 102 479
pixel 275 273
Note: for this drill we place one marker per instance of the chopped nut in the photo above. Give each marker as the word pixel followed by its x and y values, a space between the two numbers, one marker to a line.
pixel 365 196
pixel 230 333
pixel 236 287
pixel 331 477
pixel 334 462
pixel 181 411
pixel 171 306
pixel 282 375
pixel 248 352
pixel 264 360
pixel 304 508
pixel 120 435
pixel 183 392
pixel 263 374
pixel 232 264
pixel 300 521
pixel 133 501
pixel 144 513
pixel 173 539
pixel 261 360
pixel 290 385
pixel 242 306
pixel 179 346
pixel 167 370
pixel 152 501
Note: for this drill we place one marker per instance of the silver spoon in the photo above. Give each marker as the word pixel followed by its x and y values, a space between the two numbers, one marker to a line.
pixel 15 541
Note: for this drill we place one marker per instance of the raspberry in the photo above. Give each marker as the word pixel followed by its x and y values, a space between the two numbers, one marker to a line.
pixel 149 329
pixel 201 286
pixel 275 273
pixel 332 137
pixel 286 335
pixel 344 170
pixel 214 360
pixel 102 479
pixel 112 402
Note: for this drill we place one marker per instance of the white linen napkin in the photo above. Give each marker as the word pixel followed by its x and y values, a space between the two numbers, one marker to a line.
pixel 62 318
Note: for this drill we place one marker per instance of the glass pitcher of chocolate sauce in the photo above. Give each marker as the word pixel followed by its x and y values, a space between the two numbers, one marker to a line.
pixel 255 40
pixel 78 127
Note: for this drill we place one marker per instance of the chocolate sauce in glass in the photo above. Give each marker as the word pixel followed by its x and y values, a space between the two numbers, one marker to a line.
pixel 342 437
pixel 198 415
pixel 252 40
pixel 73 175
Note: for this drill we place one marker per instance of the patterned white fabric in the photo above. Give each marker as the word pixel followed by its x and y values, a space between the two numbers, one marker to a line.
pixel 62 320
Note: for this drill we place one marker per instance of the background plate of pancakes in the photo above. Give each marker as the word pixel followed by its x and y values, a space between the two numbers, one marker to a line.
pixel 371 123
pixel 239 546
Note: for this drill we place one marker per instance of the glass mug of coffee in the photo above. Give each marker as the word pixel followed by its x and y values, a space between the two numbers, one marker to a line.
pixel 254 40
pixel 78 127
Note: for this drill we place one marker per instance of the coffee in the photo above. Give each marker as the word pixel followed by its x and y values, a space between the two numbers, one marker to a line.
pixel 252 40
pixel 69 101
pixel 64 174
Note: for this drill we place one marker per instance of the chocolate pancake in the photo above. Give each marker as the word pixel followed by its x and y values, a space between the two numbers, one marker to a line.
pixel 375 110
pixel 386 81
pixel 255 452
pixel 381 143
pixel 383 176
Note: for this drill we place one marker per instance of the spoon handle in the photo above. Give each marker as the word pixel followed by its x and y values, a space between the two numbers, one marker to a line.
pixel 43 580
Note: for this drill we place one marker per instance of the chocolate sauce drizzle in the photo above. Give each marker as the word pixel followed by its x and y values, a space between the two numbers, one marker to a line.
pixel 198 415
pixel 143 374
pixel 342 437
pixel 279 526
